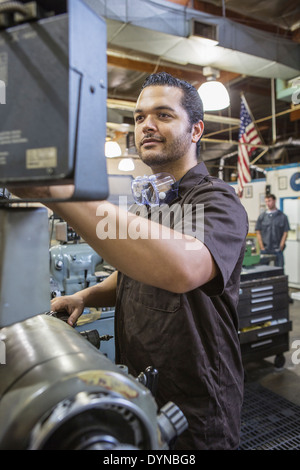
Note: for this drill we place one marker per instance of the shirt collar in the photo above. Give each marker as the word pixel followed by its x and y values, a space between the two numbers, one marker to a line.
pixel 193 177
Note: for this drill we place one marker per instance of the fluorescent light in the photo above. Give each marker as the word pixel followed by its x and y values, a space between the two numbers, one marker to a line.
pixel 214 95
pixel 126 164
pixel 112 149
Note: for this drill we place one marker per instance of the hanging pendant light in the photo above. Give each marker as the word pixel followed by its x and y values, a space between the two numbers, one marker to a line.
pixel 126 164
pixel 213 93
pixel 112 149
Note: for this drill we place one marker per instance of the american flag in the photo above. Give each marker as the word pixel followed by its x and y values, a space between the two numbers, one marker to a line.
pixel 248 134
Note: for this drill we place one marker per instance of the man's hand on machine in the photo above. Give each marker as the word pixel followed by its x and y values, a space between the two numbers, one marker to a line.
pixel 72 304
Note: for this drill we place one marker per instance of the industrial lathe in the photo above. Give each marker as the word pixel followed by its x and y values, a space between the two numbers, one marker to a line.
pixel 58 391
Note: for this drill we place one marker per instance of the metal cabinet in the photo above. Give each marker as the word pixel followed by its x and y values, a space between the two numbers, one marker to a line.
pixel 263 310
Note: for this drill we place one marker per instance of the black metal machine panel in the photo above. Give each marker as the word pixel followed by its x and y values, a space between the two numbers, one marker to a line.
pixel 34 120
pixel 53 121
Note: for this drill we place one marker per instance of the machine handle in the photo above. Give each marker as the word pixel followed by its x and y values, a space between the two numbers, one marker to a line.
pixel 261 319
pixel 262 299
pixel 260 289
pixel 263 307
pixel 149 378
pixel 261 343
pixel 267 333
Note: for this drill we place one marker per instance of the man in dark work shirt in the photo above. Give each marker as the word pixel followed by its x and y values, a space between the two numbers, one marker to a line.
pixel 175 293
pixel 272 228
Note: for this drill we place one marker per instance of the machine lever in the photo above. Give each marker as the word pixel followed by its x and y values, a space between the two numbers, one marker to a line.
pixel 149 378
pixel 94 338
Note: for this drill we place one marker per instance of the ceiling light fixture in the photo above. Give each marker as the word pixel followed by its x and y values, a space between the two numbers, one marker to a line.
pixel 213 93
pixel 126 164
pixel 112 149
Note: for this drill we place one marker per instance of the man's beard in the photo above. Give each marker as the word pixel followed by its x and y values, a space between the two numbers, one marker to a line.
pixel 170 153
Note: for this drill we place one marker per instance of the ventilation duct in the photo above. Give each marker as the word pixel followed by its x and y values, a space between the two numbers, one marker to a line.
pixel 207 33
pixel 240 49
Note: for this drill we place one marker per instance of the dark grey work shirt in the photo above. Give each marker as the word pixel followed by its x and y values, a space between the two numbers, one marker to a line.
pixel 192 338
pixel 272 226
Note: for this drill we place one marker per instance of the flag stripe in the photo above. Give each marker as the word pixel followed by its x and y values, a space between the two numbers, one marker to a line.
pixel 247 135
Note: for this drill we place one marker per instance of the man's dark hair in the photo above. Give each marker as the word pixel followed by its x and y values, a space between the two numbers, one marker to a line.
pixel 272 196
pixel 191 100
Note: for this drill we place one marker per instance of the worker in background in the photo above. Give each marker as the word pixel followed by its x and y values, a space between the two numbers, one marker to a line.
pixel 272 228
pixel 175 293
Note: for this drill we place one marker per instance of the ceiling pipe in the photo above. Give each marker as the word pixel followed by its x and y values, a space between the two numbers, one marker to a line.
pixel 222 160
pixel 273 110
pixel 124 105
pixel 291 141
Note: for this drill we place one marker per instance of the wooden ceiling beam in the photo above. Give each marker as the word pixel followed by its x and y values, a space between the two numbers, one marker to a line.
pixel 252 89
pixel 185 73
